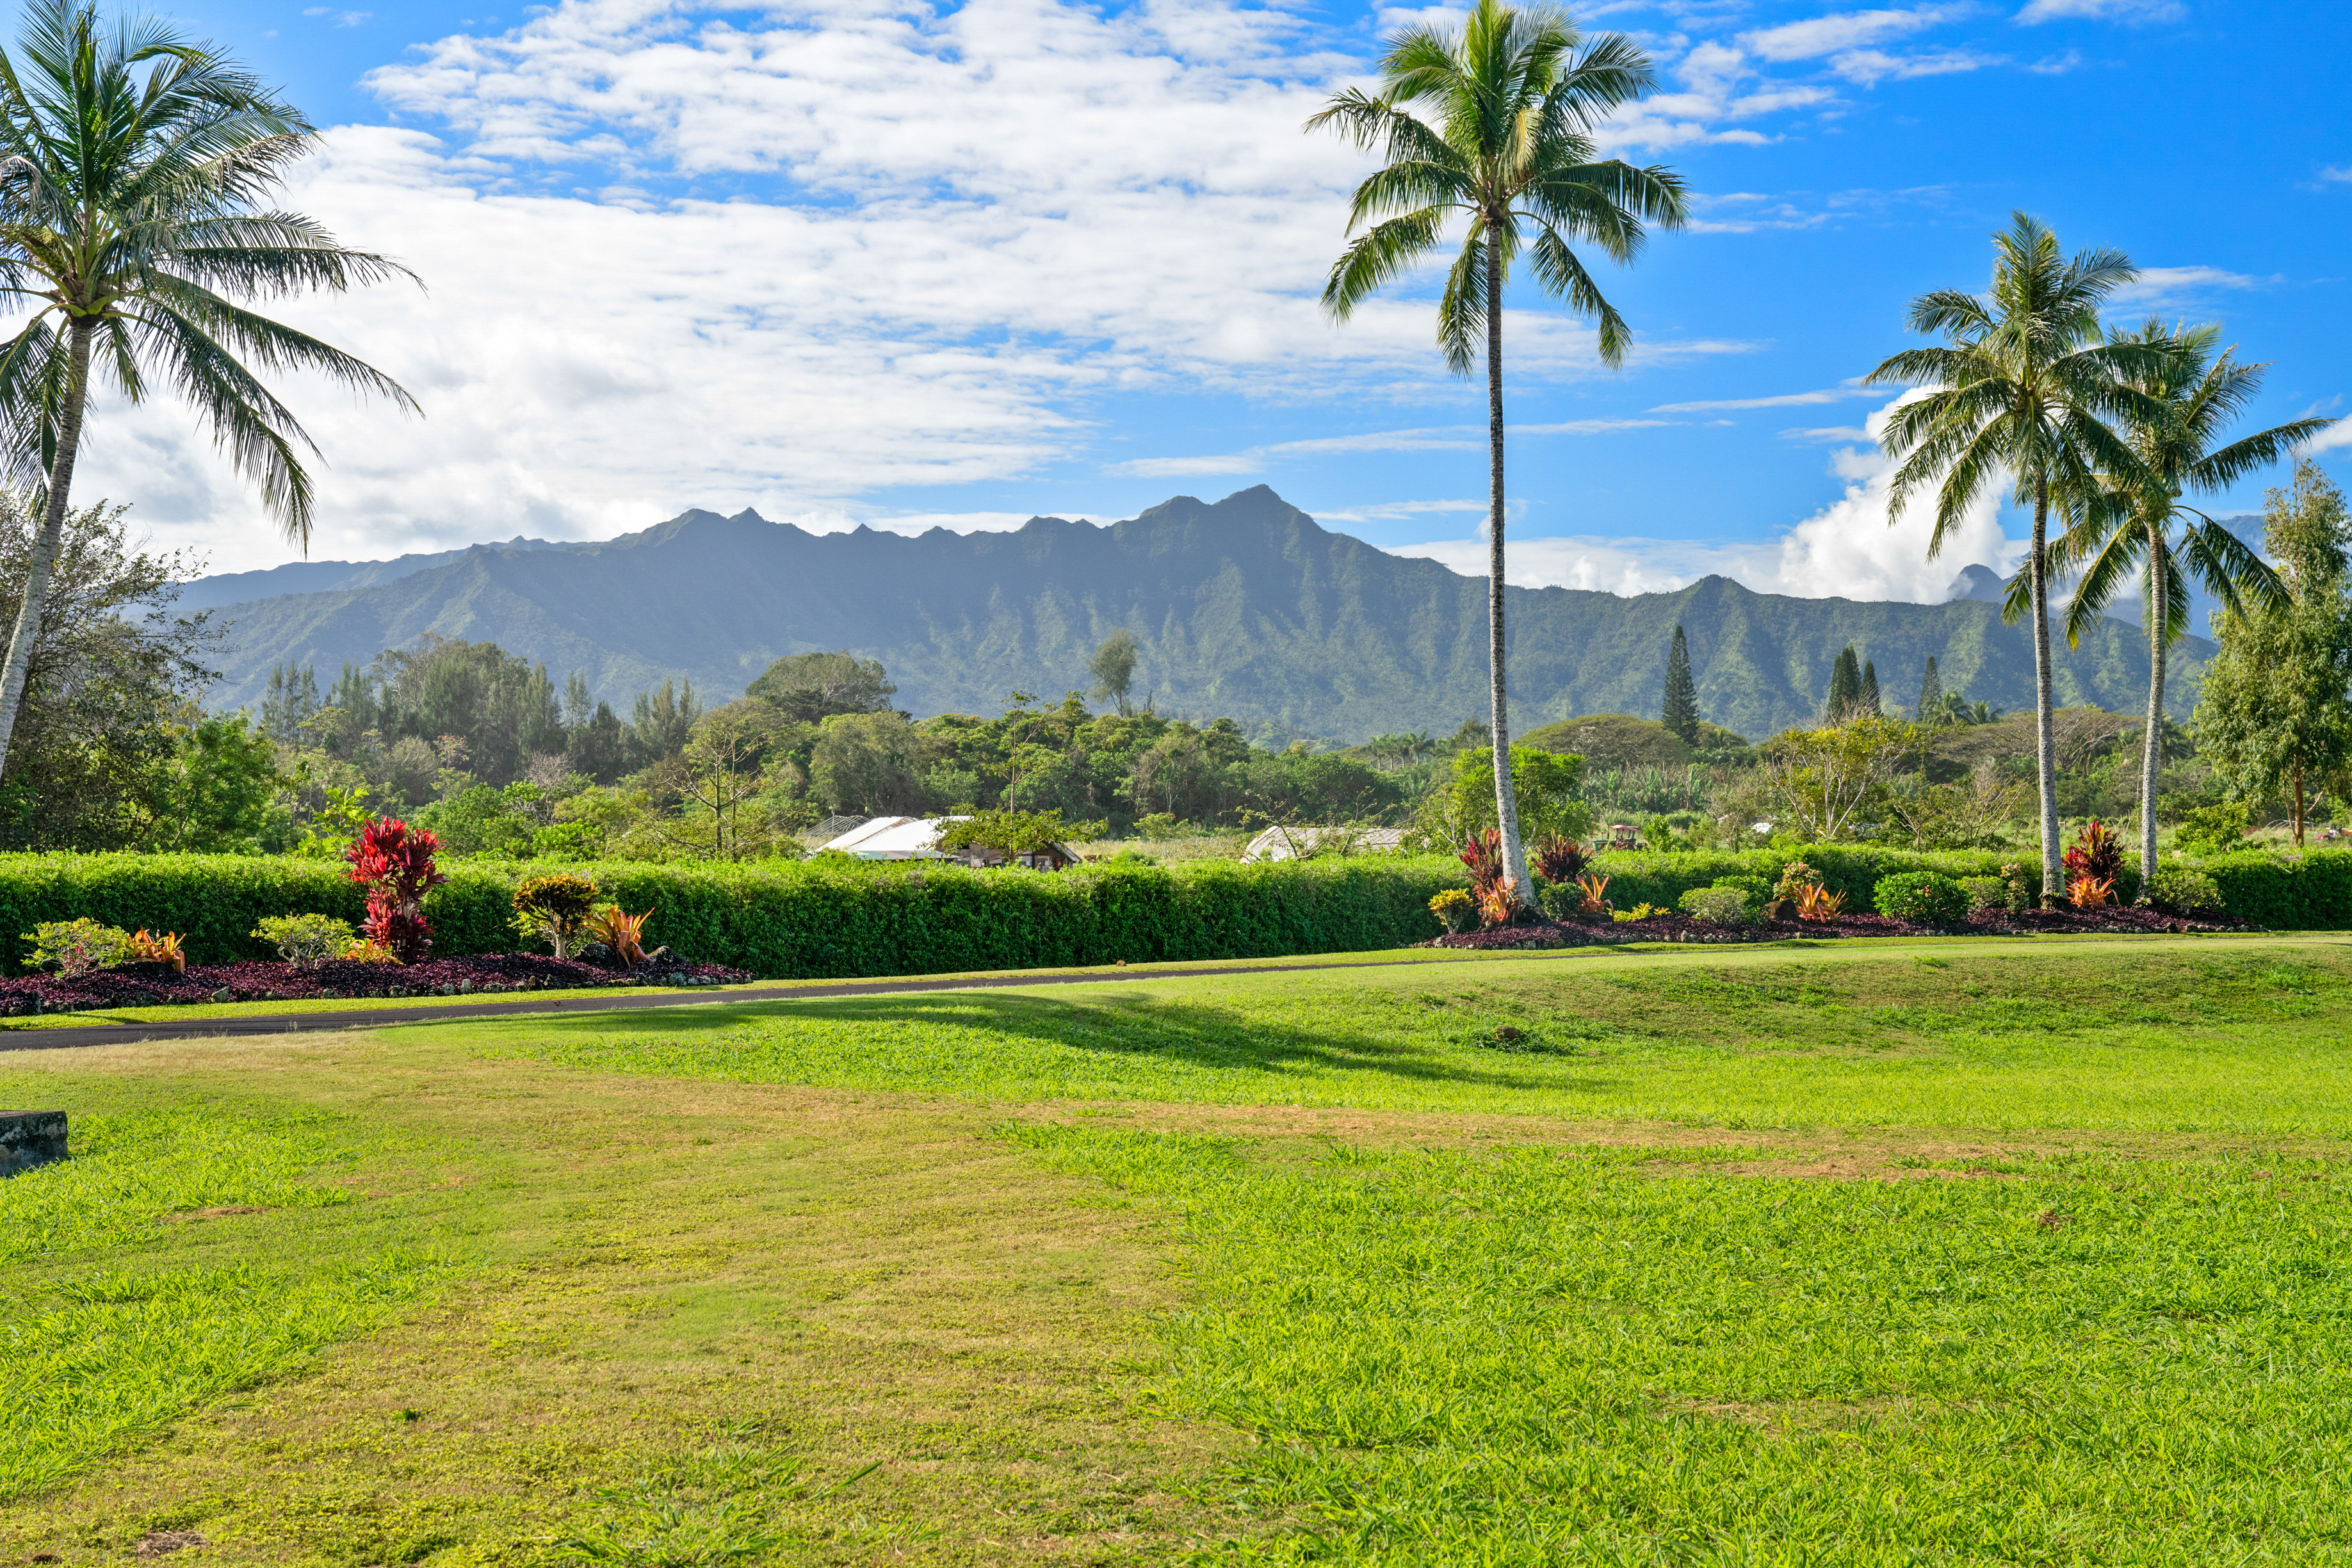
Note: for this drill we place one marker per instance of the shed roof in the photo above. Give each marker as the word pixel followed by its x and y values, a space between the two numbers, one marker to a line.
pixel 892 838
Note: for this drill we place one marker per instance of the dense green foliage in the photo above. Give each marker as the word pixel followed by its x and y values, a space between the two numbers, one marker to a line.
pixel 1921 897
pixel 1244 606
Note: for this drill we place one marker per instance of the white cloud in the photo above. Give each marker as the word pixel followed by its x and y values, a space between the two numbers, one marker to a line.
pixel 793 257
pixel 1828 433
pixel 2338 175
pixel 1847 550
pixel 1446 438
pixel 2158 286
pixel 1819 35
pixel 2336 438
pixel 1780 400
pixel 2129 10
pixel 1870 67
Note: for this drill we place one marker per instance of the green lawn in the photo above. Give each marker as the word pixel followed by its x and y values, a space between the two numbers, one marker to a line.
pixel 1928 1252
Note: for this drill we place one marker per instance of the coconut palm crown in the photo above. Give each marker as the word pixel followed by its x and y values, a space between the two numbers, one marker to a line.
pixel 2023 391
pixel 2130 521
pixel 135 169
pixel 1494 124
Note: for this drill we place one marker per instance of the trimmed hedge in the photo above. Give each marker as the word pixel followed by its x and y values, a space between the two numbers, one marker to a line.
pixel 844 920
pixel 795 920
pixel 2313 893
pixel 1854 869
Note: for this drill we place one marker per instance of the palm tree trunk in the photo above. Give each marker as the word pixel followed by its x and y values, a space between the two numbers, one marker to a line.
pixel 44 546
pixel 2298 807
pixel 2152 753
pixel 2045 738
pixel 1507 809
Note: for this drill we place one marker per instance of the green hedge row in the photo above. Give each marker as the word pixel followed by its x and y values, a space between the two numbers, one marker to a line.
pixel 792 920
pixel 893 918
pixel 1853 869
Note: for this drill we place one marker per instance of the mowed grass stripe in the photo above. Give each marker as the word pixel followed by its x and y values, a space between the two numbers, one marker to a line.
pixel 2247 1040
pixel 1561 1357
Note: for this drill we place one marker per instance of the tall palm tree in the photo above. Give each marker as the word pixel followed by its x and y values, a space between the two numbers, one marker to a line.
pixel 2023 388
pixel 134 165
pixel 2130 521
pixel 1511 100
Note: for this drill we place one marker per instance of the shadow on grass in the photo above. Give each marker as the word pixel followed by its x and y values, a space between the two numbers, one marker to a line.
pixel 874 1034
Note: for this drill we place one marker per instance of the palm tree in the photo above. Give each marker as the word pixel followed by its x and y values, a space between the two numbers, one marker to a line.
pixel 2022 389
pixel 132 225
pixel 1512 101
pixel 2130 521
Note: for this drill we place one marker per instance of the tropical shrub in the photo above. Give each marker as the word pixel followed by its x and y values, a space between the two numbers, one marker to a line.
pixel 553 908
pixel 1756 890
pixel 1985 893
pixel 2091 891
pixel 1592 886
pixel 2096 853
pixel 1639 911
pixel 1921 898
pixel 1452 906
pixel 77 947
pixel 1483 854
pixel 394 862
pixel 163 948
pixel 2184 891
pixel 2213 829
pixel 622 932
pixel 1795 877
pixel 1716 905
pixel 568 841
pixel 1561 859
pixel 1815 902
pixel 1498 904
pixel 308 940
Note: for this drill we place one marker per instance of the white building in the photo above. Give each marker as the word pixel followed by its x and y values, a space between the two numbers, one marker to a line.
pixel 915 838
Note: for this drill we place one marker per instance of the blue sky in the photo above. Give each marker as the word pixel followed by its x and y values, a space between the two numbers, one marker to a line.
pixel 889 263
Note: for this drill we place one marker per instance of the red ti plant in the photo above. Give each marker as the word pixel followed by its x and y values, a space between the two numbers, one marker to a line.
pixel 1483 854
pixel 2096 853
pixel 395 861
pixel 1561 859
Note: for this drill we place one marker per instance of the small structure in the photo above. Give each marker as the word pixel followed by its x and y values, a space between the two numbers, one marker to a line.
pixel 1282 844
pixel 916 837
pixel 29 1138
pixel 1623 836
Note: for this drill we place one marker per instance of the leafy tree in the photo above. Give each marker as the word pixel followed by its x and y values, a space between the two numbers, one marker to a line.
pixel 1867 703
pixel 1548 786
pixel 1825 778
pixel 717 781
pixel 1113 667
pixel 213 795
pixel 2022 389
pixel 1679 710
pixel 131 220
pixel 1013 832
pixel 865 763
pixel 111 686
pixel 812 687
pixel 1931 694
pixel 1515 96
pixel 599 747
pixel 2137 523
pixel 2275 714
pixel 1845 686
pixel 661 723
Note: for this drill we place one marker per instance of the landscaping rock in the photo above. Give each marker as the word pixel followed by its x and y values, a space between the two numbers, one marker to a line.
pixel 29 1138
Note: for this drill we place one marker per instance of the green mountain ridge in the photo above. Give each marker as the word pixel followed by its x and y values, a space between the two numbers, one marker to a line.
pixel 1246 607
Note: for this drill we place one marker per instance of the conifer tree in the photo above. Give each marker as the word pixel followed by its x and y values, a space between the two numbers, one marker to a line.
pixel 1931 692
pixel 1867 703
pixel 1680 713
pixel 1845 685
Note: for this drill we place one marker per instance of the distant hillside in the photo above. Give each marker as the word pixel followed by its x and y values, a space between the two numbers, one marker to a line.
pixel 1245 607
pixel 327 576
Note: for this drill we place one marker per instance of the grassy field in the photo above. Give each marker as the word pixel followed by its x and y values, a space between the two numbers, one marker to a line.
pixel 1928 1252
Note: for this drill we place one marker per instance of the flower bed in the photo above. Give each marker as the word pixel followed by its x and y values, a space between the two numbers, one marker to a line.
pixel 154 985
pixel 1673 926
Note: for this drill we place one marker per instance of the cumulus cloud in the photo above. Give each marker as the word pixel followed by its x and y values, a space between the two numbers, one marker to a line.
pixel 793 257
pixel 1847 550
pixel 2160 285
pixel 1818 36
pixel 2336 438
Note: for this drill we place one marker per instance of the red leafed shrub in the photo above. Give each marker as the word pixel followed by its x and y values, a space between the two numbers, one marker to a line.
pixel 394 862
pixel 1561 859
pixel 1483 854
pixel 2096 854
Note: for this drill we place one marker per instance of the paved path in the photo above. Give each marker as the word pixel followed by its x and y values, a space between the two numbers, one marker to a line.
pixel 501 1005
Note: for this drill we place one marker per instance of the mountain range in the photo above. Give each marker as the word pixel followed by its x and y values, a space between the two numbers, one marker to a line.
pixel 1245 607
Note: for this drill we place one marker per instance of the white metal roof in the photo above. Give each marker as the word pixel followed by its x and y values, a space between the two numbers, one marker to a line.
pixel 1282 844
pixel 892 838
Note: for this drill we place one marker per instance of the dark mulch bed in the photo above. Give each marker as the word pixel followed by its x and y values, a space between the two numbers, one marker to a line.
pixel 153 985
pixel 1676 926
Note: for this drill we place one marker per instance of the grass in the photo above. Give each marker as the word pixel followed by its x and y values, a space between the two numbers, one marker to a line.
pixel 1937 1253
